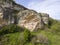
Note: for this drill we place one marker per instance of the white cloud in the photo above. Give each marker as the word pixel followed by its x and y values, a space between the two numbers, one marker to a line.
pixel 52 7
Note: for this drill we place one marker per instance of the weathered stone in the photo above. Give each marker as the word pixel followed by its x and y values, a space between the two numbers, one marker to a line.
pixel 45 17
pixel 10 12
pixel 1 16
pixel 12 5
pixel 30 19
pixel 42 39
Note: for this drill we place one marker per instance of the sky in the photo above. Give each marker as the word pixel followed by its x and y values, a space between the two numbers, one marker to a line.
pixel 52 7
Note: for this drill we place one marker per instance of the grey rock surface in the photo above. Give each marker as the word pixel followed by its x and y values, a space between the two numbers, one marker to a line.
pixel 11 12
pixel 30 19
pixel 45 17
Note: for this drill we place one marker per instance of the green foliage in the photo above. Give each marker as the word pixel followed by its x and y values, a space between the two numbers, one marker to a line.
pixel 53 39
pixel 10 29
pixel 55 28
pixel 27 35
pixel 51 22
pixel 9 39
pixel 16 38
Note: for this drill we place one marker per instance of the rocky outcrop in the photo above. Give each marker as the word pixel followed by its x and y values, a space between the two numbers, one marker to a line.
pixel 11 4
pixel 10 12
pixel 45 17
pixel 30 19
pixel 9 9
pixel 1 16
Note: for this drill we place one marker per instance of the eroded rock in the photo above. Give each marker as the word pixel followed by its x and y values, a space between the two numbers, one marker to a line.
pixel 45 17
pixel 10 12
pixel 30 19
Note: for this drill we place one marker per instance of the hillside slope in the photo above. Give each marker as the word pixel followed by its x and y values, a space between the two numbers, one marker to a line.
pixel 12 34
pixel 15 35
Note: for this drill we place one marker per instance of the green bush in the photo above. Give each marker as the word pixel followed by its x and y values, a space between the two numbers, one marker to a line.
pixel 4 30
pixel 56 28
pixel 27 35
pixel 51 22
pixel 10 29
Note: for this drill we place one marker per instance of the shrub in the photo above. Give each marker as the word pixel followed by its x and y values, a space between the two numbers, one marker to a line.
pixel 51 22
pixel 13 28
pixel 24 38
pixel 10 29
pixel 27 35
pixel 4 30
pixel 56 28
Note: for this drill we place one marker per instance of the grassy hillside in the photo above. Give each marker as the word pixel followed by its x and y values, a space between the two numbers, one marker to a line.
pixel 14 35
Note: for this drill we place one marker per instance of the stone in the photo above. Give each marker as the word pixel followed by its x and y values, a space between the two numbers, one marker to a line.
pixel 40 38
pixel 30 19
pixel 11 12
pixel 1 16
pixel 45 17
pixel 8 11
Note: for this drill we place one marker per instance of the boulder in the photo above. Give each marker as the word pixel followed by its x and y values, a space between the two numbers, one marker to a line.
pixel 30 19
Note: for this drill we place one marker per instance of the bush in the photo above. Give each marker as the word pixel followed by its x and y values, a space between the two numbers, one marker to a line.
pixel 10 29
pixel 56 28
pixel 4 30
pixel 24 38
pixel 27 35
pixel 51 22
pixel 14 28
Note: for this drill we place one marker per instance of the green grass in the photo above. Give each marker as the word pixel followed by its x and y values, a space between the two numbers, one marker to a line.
pixel 13 37
pixel 53 34
pixel 53 38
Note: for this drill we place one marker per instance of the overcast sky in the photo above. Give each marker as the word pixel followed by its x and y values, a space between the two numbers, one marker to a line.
pixel 52 7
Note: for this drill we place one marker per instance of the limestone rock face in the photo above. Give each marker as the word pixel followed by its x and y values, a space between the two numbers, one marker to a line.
pixel 8 10
pixel 1 16
pixel 1 12
pixel 30 19
pixel 45 17
pixel 11 4
pixel 11 12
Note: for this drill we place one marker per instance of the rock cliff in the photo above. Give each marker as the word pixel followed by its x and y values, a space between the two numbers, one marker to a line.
pixel 30 20
pixel 10 12
pixel 9 9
